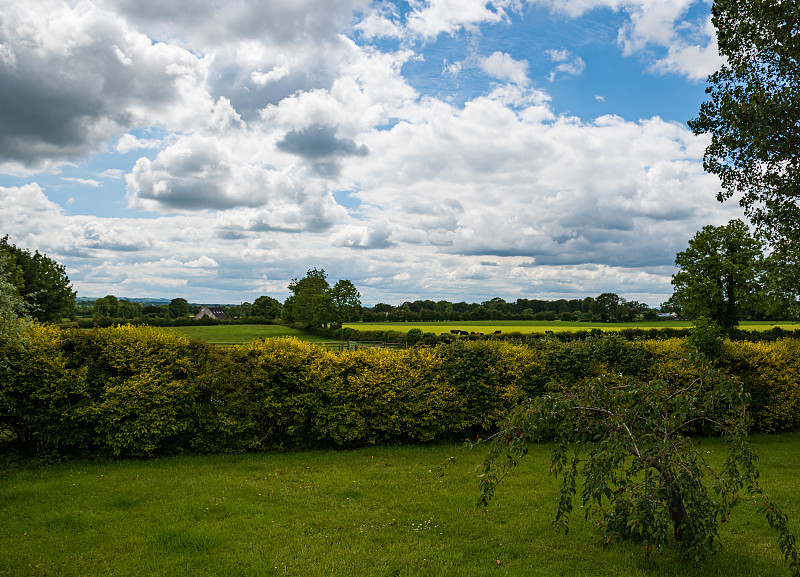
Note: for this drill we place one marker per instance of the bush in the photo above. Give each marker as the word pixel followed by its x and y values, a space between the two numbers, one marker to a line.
pixel 414 336
pixel 141 391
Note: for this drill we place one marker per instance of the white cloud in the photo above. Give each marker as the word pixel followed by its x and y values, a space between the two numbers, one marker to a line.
pixel 277 73
pixel 252 123
pixel 567 64
pixel 430 18
pixel 84 181
pixel 503 67
pixel 128 142
pixel 655 26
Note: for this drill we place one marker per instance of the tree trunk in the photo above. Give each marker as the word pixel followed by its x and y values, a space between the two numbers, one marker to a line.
pixel 678 512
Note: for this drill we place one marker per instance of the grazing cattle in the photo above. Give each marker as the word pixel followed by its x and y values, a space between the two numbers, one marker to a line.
pixel 497 332
pixel 463 333
pixel 455 332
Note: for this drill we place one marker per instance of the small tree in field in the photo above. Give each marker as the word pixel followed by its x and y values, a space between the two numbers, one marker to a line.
pixel 643 475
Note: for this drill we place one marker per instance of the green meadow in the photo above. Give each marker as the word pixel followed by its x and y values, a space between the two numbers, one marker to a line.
pixel 237 334
pixel 375 511
pixel 487 327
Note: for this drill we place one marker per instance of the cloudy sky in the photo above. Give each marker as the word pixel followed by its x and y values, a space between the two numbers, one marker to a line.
pixel 441 149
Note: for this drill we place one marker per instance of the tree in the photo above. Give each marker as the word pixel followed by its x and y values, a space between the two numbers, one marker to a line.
pixel 753 117
pixel 266 307
pixel 128 309
pixel 12 306
pixel 179 307
pixel 608 306
pixel 13 311
pixel 643 475
pixel 41 282
pixel 314 303
pixel 719 273
pixel 105 307
pixel 346 299
pixel 299 308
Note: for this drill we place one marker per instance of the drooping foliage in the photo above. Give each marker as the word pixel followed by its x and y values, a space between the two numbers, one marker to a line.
pixel 625 449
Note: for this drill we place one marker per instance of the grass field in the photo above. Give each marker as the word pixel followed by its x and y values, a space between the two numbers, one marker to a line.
pixel 378 511
pixel 487 327
pixel 236 334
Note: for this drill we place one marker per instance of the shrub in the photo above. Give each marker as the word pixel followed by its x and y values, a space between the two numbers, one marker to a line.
pixel 42 400
pixel 141 379
pixel 414 336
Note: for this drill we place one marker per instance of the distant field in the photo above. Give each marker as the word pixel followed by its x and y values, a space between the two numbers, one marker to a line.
pixel 237 334
pixel 487 327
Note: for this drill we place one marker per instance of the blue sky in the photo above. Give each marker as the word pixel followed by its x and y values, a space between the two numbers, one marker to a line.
pixel 442 149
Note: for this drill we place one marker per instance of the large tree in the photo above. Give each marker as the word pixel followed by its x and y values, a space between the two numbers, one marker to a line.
pixel 306 293
pixel 720 273
pixel 314 303
pixel 753 117
pixel 266 307
pixel 346 299
pixel 41 282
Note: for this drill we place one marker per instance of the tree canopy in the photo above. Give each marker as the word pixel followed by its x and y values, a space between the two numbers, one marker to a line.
pixel 720 273
pixel 40 282
pixel 314 303
pixel 753 117
pixel 266 307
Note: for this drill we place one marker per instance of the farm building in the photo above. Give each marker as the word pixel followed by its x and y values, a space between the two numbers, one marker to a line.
pixel 213 312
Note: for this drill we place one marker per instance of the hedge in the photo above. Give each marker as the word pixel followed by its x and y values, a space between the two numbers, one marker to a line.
pixel 137 391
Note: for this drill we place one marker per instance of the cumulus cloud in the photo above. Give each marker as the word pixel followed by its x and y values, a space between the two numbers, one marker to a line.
pixel 430 18
pixel 129 142
pixel 80 74
pixel 318 142
pixel 247 126
pixel 567 65
pixel 654 27
pixel 503 67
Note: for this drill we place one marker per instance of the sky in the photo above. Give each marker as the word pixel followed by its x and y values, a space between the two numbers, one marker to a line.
pixel 454 150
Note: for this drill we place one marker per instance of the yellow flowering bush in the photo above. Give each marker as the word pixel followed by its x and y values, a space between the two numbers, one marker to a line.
pixel 387 395
pixel 42 398
pixel 141 390
pixel 142 381
pixel 263 394
pixel 770 373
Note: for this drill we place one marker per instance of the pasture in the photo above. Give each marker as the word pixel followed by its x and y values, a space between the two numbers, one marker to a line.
pixel 373 511
pixel 238 334
pixel 488 327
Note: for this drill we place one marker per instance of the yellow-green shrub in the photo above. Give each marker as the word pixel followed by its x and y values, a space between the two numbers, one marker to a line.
pixel 142 390
pixel 42 399
pixel 386 395
pixel 770 372
pixel 142 380
pixel 263 394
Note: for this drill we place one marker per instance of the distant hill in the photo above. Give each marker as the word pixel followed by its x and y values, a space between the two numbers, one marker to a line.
pixel 149 301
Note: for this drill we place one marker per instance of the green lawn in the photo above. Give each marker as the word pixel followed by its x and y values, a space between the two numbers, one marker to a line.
pixel 378 511
pixel 487 327
pixel 236 334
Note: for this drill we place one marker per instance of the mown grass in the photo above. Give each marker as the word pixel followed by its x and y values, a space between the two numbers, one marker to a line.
pixel 487 327
pixel 381 511
pixel 236 334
